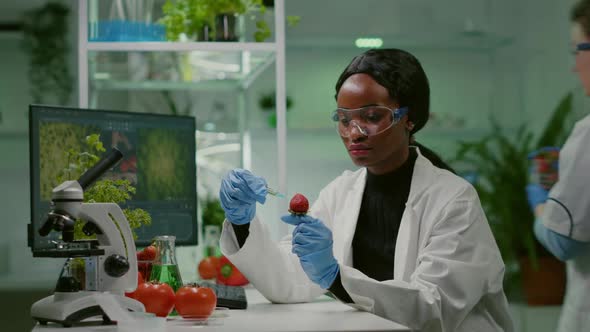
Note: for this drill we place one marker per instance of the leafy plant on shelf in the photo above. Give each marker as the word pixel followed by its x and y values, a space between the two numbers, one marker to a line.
pixel 189 17
pixel 213 214
pixel 244 7
pixel 102 191
pixel 267 103
pixel 212 222
pixel 45 33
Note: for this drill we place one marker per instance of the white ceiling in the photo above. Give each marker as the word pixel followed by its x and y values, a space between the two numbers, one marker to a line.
pixel 398 22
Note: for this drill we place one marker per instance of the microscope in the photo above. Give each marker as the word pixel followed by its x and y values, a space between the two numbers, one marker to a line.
pixel 110 262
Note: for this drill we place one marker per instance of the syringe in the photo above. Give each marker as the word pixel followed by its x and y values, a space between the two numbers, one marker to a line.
pixel 274 192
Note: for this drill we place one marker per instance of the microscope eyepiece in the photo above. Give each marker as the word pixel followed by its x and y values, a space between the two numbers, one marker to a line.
pixel 101 166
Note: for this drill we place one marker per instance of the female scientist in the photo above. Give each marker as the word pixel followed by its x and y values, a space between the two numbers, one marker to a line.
pixel 563 213
pixel 402 237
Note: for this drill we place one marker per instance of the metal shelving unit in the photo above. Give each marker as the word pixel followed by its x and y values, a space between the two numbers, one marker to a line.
pixel 253 57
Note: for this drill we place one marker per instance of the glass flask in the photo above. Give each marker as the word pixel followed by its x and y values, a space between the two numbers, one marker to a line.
pixel 165 268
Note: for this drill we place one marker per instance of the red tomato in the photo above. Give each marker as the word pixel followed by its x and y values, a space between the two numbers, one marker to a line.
pixel 193 301
pixel 140 280
pixel 208 267
pixel 145 268
pixel 228 274
pixel 158 298
pixel 147 254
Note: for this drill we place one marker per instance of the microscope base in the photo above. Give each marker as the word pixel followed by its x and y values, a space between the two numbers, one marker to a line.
pixel 68 309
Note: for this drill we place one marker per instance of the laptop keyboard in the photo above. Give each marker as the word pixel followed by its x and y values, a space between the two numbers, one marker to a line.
pixel 232 297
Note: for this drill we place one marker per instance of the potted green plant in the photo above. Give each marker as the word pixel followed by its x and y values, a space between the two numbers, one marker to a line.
pixel 203 19
pixel 192 18
pixel 45 32
pixel 226 12
pixel 500 161
pixel 267 103
pixel 212 217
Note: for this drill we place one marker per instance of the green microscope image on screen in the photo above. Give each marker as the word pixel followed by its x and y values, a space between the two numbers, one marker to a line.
pixel 55 139
pixel 158 162
pixel 163 176
pixel 155 166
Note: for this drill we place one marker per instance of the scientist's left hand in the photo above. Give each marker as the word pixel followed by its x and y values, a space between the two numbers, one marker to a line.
pixel 536 195
pixel 312 243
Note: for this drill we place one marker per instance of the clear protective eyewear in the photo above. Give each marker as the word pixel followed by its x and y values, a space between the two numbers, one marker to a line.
pixel 581 47
pixel 368 120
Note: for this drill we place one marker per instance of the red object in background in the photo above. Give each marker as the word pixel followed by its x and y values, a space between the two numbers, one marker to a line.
pixel 544 168
pixel 545 283
pixel 140 280
pixel 192 301
pixel 147 254
pixel 298 205
pixel 208 267
pixel 228 274
pixel 129 165
pixel 145 258
pixel 158 298
pixel 145 268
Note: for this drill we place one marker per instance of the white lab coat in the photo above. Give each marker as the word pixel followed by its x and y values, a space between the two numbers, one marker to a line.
pixel 567 211
pixel 448 270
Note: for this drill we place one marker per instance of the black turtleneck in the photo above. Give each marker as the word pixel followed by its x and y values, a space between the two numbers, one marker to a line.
pixel 373 245
pixel 384 201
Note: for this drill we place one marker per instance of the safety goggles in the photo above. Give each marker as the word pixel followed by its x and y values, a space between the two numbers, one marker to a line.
pixel 368 121
pixel 581 47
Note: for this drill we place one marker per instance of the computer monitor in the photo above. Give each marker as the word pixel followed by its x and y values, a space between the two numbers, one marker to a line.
pixel 158 159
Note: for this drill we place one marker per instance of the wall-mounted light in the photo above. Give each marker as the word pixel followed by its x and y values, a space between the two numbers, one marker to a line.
pixel 368 42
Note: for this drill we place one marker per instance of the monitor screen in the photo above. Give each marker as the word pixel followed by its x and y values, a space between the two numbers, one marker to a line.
pixel 158 160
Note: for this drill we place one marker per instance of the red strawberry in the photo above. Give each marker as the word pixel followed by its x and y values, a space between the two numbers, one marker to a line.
pixel 298 205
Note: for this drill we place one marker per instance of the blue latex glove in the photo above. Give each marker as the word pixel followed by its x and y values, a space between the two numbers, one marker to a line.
pixel 312 243
pixel 536 195
pixel 240 190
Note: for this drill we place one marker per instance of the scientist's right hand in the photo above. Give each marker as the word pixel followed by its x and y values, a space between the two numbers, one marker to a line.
pixel 240 190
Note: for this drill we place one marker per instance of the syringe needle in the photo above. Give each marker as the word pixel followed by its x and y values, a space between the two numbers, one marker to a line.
pixel 274 192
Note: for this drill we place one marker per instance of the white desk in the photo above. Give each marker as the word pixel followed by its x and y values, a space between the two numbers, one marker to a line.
pixel 322 315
